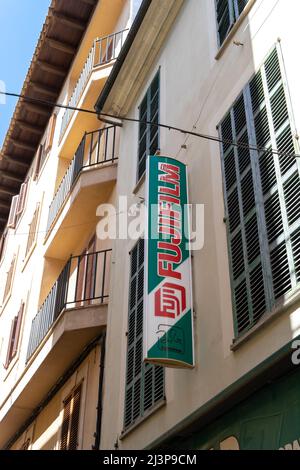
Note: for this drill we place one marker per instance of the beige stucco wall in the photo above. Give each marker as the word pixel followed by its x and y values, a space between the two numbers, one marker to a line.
pixel 45 431
pixel 197 90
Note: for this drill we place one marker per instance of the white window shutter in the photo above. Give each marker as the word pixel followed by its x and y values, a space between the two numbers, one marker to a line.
pixel 13 211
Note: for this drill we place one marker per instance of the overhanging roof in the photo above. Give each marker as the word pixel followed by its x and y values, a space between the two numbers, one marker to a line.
pixel 60 37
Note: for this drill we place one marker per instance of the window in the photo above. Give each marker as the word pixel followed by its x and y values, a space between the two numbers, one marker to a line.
pixel 9 279
pixel 2 245
pixel 11 223
pixel 14 337
pixel 32 230
pixel 21 200
pixel 228 12
pixel 262 197
pixel 148 135
pixel 40 157
pixel 45 147
pixel 70 424
pixel 144 382
pixel 50 135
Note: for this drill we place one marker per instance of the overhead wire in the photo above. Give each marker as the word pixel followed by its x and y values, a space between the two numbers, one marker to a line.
pixel 157 124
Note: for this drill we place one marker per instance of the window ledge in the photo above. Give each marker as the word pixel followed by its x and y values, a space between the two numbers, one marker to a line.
pixel 267 318
pixel 234 29
pixel 140 420
pixel 11 366
pixel 28 256
pixel 5 302
pixel 139 184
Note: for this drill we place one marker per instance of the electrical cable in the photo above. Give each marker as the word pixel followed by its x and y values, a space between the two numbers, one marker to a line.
pixel 164 126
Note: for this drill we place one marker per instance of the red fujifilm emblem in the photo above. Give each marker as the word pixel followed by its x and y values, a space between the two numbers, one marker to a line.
pixel 170 300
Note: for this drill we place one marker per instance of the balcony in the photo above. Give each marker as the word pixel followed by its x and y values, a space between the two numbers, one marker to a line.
pixel 71 317
pixel 96 149
pixel 103 53
pixel 83 283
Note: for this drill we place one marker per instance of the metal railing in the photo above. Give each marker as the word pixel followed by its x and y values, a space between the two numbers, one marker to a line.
pixel 96 148
pixel 103 51
pixel 83 281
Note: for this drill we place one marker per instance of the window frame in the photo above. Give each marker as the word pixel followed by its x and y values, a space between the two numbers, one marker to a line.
pixel 147 96
pixel 13 346
pixel 234 17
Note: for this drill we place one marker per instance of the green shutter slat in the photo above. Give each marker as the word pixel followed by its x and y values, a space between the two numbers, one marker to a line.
pixel 280 271
pixel 244 154
pixel 238 265
pixel 279 108
pixel 247 193
pixel 285 144
pixel 252 239
pixel 257 293
pixel 241 307
pixel 272 68
pixel 273 217
pixel 142 382
pixel 267 171
pixel 257 92
pixel 239 115
pixel 291 190
pixel 241 5
pixel 262 131
pixel 295 239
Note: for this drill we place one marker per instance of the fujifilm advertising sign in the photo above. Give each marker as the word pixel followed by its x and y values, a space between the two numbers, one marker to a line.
pixel 168 312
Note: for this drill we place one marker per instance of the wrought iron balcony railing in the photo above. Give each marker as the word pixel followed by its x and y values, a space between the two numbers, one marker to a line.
pixel 96 148
pixel 83 281
pixel 103 51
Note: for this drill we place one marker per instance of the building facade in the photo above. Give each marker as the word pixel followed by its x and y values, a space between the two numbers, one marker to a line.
pixel 73 375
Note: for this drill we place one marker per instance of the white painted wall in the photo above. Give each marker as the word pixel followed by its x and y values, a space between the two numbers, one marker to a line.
pixel 197 90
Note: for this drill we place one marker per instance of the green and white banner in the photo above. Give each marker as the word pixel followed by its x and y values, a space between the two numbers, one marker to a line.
pixel 168 317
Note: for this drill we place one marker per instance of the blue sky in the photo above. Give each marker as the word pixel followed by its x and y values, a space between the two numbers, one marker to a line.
pixel 20 24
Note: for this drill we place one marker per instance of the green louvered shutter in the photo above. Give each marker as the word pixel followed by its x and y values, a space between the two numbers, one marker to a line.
pixel 282 202
pixel 228 12
pixel 261 197
pixel 148 135
pixel 144 383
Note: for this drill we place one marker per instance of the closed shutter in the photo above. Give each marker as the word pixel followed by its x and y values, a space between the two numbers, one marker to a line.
pixel 32 230
pixel 148 135
pixel 73 443
pixel 70 424
pixel 2 245
pixel 18 330
pixel 144 383
pixel 228 12
pixel 50 134
pixel 66 424
pixel 9 279
pixel 38 161
pixel 11 341
pixel 262 196
pixel 14 336
pixel 12 213
pixel 22 198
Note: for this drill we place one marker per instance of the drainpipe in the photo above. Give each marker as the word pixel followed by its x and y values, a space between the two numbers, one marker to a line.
pixel 97 434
